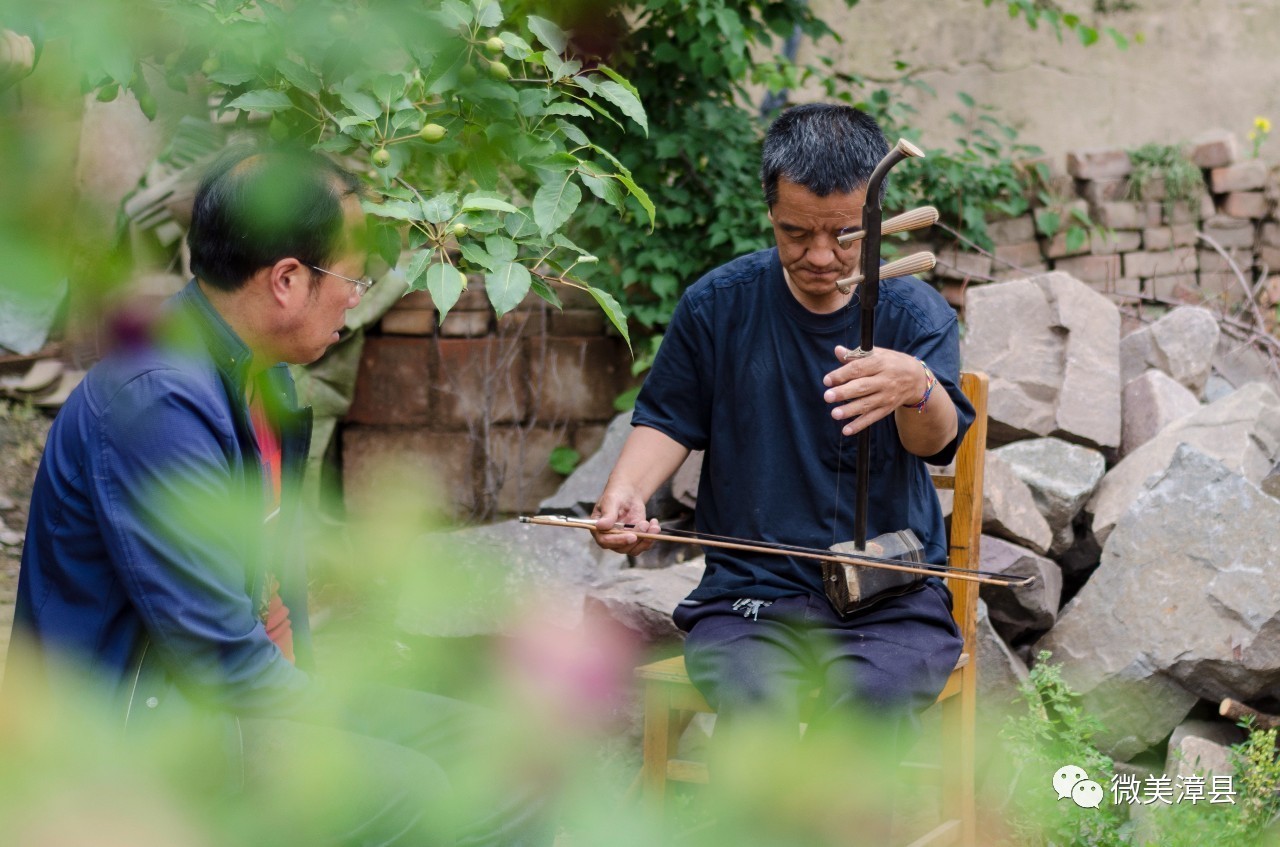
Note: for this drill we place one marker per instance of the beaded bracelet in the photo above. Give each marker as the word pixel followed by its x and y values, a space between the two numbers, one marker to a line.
pixel 929 382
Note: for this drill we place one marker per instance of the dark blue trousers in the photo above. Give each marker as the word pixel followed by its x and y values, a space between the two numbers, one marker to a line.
pixel 886 664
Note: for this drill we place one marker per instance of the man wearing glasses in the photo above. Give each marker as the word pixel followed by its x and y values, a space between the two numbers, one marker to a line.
pixel 162 552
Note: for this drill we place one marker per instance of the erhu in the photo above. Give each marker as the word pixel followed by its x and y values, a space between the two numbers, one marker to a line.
pixel 858 573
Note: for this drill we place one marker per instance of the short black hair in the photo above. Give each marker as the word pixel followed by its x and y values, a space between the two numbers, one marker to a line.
pixel 257 206
pixel 823 147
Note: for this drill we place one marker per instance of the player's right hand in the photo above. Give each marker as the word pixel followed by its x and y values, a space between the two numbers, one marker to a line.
pixel 617 508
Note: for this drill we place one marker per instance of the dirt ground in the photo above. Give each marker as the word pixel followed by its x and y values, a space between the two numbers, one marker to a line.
pixel 22 434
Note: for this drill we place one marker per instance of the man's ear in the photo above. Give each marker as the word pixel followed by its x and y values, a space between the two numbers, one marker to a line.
pixel 289 281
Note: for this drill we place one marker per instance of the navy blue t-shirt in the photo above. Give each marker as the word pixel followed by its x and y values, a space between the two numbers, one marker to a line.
pixel 739 375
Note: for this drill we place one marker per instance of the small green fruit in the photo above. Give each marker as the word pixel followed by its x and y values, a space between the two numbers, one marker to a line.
pixel 147 103
pixel 495 44
pixel 498 70
pixel 210 65
pixel 459 230
pixel 467 74
pixel 107 93
pixel 431 133
pixel 381 157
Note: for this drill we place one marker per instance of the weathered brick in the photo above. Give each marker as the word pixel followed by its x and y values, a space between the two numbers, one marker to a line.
pixel 517 322
pixel 473 298
pixel 408 322
pixel 1144 264
pixel 1090 268
pixel 479 379
pixel 576 378
pixel 1243 176
pixel 1181 212
pixel 1022 255
pixel 1012 230
pixel 1184 235
pixel 1157 238
pixel 1126 288
pixel 1155 214
pixel 1222 288
pixel 1207 207
pixel 1120 215
pixel 1006 274
pixel 1056 247
pixel 1116 241
pixel 466 324
pixel 414 300
pixel 1215 148
pixel 1099 191
pixel 1211 261
pixel 1271 234
pixel 578 322
pixel 392 385
pixel 953 292
pixel 956 264
pixel 379 463
pixel 1245 204
pixel 518 459
pixel 1098 163
pixel 1154 189
pixel 1270 256
pixel 1230 232
pixel 1182 287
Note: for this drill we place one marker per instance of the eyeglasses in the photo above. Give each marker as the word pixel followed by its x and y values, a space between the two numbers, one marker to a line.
pixel 362 285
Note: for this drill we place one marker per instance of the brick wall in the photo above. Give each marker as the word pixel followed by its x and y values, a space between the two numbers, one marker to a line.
pixel 1149 249
pixel 468 410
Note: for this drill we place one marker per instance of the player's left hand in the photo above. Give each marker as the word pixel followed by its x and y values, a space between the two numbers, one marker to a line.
pixel 868 388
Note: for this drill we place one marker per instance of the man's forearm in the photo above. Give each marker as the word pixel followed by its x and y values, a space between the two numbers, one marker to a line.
pixel 648 459
pixel 926 432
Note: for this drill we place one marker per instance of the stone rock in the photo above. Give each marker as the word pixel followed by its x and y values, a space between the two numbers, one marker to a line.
pixel 1151 402
pixel 1271 482
pixel 1194 755
pixel 1031 608
pixel 1182 344
pixel 1240 364
pixel 578 494
pixel 1061 477
pixel 492 573
pixel 1180 607
pixel 684 484
pixel 1000 671
pixel 1008 509
pixel 6 504
pixel 1054 370
pixel 1202 747
pixel 1241 430
pixel 643 600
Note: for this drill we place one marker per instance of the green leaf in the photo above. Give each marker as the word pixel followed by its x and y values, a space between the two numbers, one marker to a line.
pixel 551 36
pixel 385 241
pixel 519 226
pixel 572 133
pixel 627 103
pixel 361 104
pixel 965 99
pixel 1048 222
pixel 231 77
pixel 561 241
pixel 502 249
pixel 516 47
pixel 613 311
pixel 626 401
pixel 440 208
pixel 264 100
pixel 1076 237
pixel 400 210
pixel 299 77
pixel 477 255
pixel 506 285
pixel 455 15
pixel 1088 35
pixel 445 283
pixel 563 460
pixel 554 203
pixel 640 195
pixel 488 14
pixel 605 188
pixel 546 292
pixel 479 203
pixel 417 266
pixel 567 107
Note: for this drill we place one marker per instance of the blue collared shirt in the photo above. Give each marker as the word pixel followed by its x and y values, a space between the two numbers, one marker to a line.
pixel 145 537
